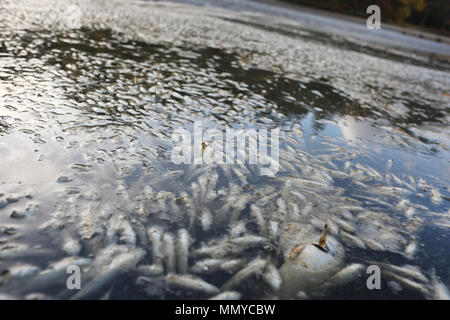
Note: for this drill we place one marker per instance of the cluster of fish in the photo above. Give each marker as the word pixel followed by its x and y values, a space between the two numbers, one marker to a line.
pixel 221 238
pixel 131 220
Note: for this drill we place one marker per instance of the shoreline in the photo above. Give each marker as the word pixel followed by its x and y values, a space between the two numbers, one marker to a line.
pixel 411 30
pixel 331 23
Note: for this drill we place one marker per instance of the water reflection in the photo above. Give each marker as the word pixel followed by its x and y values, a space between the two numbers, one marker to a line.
pixel 355 131
pixel 87 159
pixel 99 62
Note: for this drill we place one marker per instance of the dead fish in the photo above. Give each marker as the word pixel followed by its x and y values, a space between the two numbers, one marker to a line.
pixel 376 200
pixel 206 219
pixel 410 250
pixel 233 265
pixel 212 180
pixel 227 295
pixel 37 296
pixel 391 191
pixel 55 275
pixel 436 196
pixel 217 250
pixel 12 250
pixel 423 185
pixel 120 230
pixel 150 270
pixel 168 246
pixel 396 179
pixel 91 224
pixel 127 261
pixel 440 291
pixel 191 283
pixel 303 184
pixel 105 256
pixel 249 241
pixel 373 245
pixel 345 214
pixel 222 214
pixel 298 195
pixel 294 211
pixel 369 171
pixel 258 217
pixel 239 205
pixel 282 206
pixel 182 250
pixel 316 222
pixel 120 264
pixel 273 228
pixel 406 270
pixel 193 171
pixel 196 192
pixel 190 207
pixel 351 208
pixel 255 267
pixel 351 240
pixel 265 200
pixel 202 183
pixel 98 285
pixel 238 228
pixel 208 266
pixel 408 283
pixel 307 210
pixel 23 270
pixel 410 212
pixel 71 246
pixel 388 179
pixel 301 295
pixel 211 195
pixel 155 235
pixel 411 179
pixel 346 275
pixel 272 277
pixel 394 286
pixel 148 192
pixel 239 175
pixel 315 195
pixel 409 186
pixel 403 205
pixel 141 232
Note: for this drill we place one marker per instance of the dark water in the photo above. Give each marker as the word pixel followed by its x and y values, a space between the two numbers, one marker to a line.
pixel 87 116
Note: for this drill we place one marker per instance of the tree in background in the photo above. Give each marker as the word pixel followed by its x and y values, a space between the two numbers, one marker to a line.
pixel 405 8
pixel 426 13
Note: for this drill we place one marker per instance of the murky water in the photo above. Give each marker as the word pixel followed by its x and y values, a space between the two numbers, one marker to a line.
pixel 87 112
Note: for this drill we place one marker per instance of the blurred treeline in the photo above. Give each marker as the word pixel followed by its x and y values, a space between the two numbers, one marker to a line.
pixel 424 13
